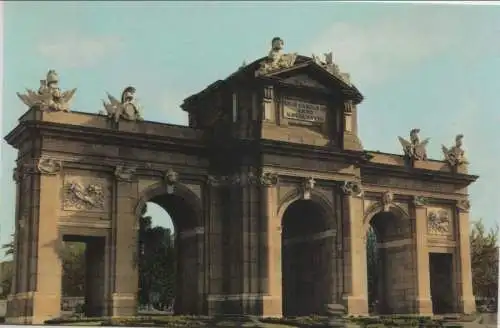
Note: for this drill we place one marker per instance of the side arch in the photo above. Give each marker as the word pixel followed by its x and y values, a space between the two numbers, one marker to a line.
pixel 391 259
pixel 398 211
pixel 180 190
pixel 186 212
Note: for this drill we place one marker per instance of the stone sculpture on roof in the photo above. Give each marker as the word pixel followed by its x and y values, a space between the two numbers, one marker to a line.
pixel 127 108
pixel 455 155
pixel 414 149
pixel 49 96
pixel 276 59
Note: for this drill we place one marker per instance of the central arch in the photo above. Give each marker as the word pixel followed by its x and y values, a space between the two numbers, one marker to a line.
pixel 185 210
pixel 307 238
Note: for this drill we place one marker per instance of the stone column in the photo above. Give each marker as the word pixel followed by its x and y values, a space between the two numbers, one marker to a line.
pixel 355 278
pixel 271 275
pixel 464 272
pixel 214 252
pixel 123 299
pixel 423 294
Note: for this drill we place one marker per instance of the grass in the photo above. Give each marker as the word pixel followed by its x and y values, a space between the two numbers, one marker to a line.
pixel 203 322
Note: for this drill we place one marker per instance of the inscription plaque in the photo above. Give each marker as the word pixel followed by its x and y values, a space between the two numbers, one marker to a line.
pixel 302 111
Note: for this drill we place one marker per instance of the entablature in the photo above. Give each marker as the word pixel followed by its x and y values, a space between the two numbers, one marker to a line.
pixel 96 129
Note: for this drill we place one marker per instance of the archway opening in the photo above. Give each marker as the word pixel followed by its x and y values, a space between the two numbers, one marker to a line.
pixel 306 259
pixel 390 267
pixel 83 275
pixel 168 254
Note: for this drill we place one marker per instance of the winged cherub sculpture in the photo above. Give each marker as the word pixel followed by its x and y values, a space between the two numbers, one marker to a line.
pixel 49 96
pixel 127 108
pixel 414 149
pixel 455 156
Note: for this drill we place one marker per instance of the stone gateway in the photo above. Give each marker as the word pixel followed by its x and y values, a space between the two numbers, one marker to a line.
pixel 270 191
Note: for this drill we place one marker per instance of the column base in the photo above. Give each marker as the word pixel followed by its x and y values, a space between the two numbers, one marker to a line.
pixel 244 304
pixel 32 308
pixel 423 307
pixel 468 305
pixel 122 305
pixel 356 305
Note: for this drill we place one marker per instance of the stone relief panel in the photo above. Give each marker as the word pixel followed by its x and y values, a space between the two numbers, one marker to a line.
pixel 86 193
pixel 439 221
pixel 79 196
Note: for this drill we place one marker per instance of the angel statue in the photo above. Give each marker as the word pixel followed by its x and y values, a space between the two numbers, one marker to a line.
pixel 414 149
pixel 126 108
pixel 455 156
pixel 49 97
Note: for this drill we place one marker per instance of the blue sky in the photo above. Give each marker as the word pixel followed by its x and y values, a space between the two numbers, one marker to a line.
pixel 427 66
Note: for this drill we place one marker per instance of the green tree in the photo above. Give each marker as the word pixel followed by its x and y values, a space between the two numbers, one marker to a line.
pixel 484 260
pixel 8 248
pixel 156 263
pixel 372 267
pixel 6 282
pixel 73 275
pixel 7 275
pixel 73 257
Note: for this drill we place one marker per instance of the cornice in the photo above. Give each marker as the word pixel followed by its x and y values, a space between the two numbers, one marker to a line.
pixel 417 173
pixel 311 151
pixel 96 135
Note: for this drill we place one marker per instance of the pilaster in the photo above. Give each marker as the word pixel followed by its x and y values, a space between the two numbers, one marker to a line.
pixel 355 276
pixel 124 260
pixel 271 276
pixel 44 262
pixel 423 301
pixel 463 278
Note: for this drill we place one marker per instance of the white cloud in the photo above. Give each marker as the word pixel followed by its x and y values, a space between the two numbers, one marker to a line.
pixel 380 49
pixel 73 50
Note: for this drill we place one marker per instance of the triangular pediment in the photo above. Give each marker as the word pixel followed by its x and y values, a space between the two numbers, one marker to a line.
pixel 304 80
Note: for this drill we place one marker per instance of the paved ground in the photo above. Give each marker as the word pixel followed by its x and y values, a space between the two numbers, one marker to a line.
pixel 490 319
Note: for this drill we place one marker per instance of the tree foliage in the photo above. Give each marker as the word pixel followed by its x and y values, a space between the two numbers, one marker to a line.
pixel 73 275
pixel 484 260
pixel 372 266
pixel 156 264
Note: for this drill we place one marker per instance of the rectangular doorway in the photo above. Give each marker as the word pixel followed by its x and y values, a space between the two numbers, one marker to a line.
pixel 441 278
pixel 84 271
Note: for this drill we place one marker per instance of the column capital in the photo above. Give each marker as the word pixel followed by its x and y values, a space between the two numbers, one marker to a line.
pixel 420 201
pixel 49 166
pixel 352 188
pixel 463 206
pixel 125 173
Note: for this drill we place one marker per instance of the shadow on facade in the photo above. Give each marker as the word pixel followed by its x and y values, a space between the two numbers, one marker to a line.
pixel 393 290
pixel 306 259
